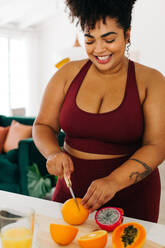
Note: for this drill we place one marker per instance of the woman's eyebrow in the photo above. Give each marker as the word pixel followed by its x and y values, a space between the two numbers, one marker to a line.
pixel 88 35
pixel 106 34
pixel 102 36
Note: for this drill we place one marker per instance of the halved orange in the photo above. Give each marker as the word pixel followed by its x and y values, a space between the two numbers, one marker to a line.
pixel 97 239
pixel 63 234
pixel 71 214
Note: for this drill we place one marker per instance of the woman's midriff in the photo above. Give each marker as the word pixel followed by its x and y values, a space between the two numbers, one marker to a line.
pixel 85 155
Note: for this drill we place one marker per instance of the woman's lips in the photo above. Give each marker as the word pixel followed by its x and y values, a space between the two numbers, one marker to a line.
pixel 103 59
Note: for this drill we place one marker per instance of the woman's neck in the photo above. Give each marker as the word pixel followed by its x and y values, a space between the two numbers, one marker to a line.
pixel 116 71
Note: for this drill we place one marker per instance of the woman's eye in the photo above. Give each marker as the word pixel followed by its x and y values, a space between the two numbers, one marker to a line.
pixel 110 41
pixel 89 42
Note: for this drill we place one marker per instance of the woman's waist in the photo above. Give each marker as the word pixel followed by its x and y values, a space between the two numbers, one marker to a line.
pixel 85 155
pixel 91 148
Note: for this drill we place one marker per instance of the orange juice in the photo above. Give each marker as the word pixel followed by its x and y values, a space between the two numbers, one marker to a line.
pixel 18 237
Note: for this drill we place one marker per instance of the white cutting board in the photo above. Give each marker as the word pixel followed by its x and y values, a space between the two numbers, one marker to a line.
pixel 44 239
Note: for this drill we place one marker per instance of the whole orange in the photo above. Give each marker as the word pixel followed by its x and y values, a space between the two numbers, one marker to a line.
pixel 71 214
pixel 63 234
pixel 97 239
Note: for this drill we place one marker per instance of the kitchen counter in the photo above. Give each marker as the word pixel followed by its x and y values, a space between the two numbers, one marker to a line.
pixel 155 232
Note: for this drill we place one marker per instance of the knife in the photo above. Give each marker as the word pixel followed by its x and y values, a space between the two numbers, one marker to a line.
pixel 69 185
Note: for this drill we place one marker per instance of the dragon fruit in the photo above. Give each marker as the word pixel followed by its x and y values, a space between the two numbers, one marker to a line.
pixel 109 218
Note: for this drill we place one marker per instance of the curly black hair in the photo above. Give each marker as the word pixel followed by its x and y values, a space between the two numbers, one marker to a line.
pixel 89 12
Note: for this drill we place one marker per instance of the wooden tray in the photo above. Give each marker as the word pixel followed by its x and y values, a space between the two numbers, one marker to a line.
pixel 44 239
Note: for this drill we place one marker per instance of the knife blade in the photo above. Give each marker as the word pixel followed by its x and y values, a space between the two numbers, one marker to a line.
pixel 69 185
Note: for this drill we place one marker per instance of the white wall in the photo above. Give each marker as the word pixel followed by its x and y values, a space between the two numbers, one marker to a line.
pixel 54 36
pixel 33 74
pixel 148 32
pixel 147 38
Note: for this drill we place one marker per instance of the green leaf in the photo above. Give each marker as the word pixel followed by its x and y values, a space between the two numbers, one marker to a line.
pixel 38 186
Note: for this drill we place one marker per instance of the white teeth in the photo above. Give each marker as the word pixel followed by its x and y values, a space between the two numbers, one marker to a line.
pixel 103 57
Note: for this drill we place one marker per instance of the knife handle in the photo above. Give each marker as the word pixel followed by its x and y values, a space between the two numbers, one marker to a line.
pixel 68 181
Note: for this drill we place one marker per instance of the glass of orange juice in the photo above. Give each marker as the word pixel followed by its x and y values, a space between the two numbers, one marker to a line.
pixel 16 227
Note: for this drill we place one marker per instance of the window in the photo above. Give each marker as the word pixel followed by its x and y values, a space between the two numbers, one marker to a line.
pixel 13 74
pixel 4 77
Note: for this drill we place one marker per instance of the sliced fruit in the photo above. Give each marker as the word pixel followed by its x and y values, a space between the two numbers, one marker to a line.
pixel 71 214
pixel 131 235
pixel 97 239
pixel 63 234
pixel 109 218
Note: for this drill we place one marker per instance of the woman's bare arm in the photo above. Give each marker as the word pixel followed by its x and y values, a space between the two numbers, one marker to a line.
pixel 145 159
pixel 46 126
pixel 152 152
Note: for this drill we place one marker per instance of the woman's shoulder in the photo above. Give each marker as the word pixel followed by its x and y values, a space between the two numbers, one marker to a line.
pixel 70 70
pixel 148 75
pixel 67 72
pixel 73 67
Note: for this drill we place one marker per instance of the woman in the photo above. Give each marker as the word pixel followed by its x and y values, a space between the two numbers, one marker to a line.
pixel 112 111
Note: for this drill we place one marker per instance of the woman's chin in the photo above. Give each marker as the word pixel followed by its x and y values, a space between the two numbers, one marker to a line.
pixel 103 66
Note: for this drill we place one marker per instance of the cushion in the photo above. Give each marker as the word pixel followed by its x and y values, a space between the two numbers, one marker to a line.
pixel 12 155
pixel 3 134
pixel 17 132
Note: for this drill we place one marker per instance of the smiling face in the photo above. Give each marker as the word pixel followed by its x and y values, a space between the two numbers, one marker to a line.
pixel 105 44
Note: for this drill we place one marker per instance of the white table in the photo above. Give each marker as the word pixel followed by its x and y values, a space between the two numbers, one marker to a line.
pixel 155 232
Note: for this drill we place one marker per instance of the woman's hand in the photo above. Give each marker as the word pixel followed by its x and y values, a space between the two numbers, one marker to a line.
pixel 99 192
pixel 60 164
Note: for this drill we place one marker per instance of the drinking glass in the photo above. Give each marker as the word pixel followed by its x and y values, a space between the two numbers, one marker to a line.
pixel 16 227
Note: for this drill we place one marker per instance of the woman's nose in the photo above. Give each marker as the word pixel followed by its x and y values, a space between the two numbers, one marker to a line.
pixel 99 47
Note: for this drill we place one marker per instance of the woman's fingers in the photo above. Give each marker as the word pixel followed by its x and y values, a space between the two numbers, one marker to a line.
pixel 71 165
pixel 60 164
pixel 91 196
pixel 98 193
pixel 94 202
pixel 68 167
pixel 86 199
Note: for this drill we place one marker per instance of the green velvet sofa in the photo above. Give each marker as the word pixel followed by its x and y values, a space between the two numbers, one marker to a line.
pixel 14 164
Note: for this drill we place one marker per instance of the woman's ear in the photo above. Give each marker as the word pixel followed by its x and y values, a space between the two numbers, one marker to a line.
pixel 127 36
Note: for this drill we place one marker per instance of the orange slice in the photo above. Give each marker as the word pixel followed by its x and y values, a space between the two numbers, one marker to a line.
pixel 63 234
pixel 97 239
pixel 71 214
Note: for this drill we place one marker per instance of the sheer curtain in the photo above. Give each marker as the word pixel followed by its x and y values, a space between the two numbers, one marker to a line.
pixel 4 76
pixel 13 74
pixel 18 73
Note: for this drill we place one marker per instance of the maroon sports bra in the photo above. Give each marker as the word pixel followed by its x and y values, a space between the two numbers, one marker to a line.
pixel 118 131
